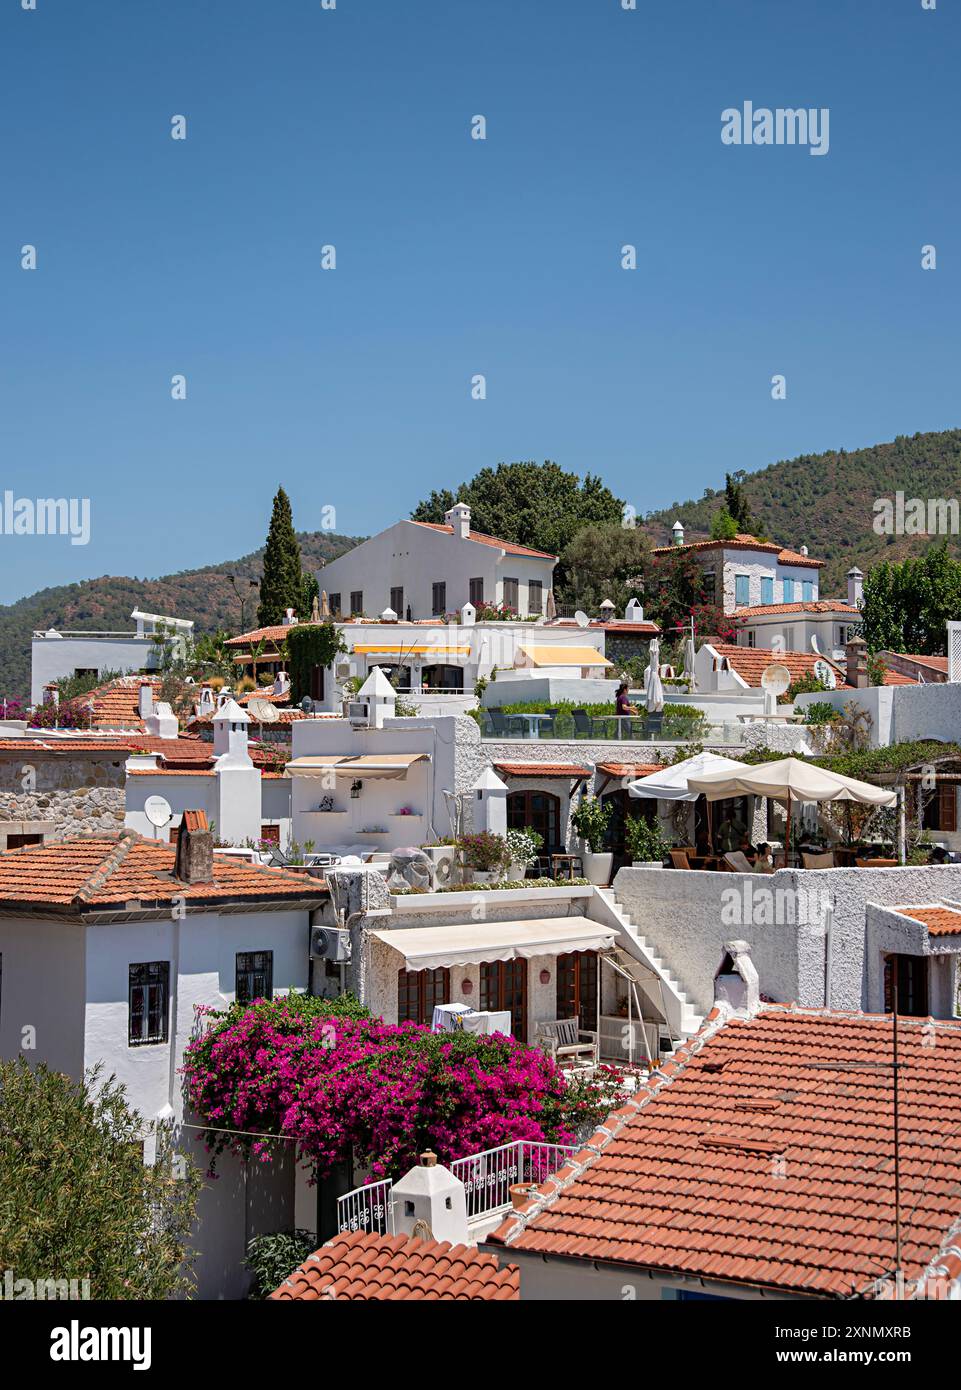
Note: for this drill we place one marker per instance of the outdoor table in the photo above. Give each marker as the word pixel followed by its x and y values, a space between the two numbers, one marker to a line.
pixel 449 1018
pixel 566 859
pixel 533 722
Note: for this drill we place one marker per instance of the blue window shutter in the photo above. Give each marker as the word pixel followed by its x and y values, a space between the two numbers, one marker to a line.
pixel 767 590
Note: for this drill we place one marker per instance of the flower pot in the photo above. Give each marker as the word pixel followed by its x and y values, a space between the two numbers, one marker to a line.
pixel 516 871
pixel 478 876
pixel 597 868
pixel 646 864
pixel 521 1192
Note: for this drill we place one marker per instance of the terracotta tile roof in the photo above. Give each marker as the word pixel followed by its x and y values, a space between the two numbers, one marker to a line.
pixel 39 743
pixel 479 536
pixel 762 1154
pixel 749 662
pixel 195 820
pixel 628 629
pixel 630 769
pixel 85 874
pixel 743 541
pixel 164 771
pixel 937 663
pixel 116 705
pixel 358 1265
pixel 277 633
pixel 821 605
pixel 543 769
pixel 939 920
pixel 897 678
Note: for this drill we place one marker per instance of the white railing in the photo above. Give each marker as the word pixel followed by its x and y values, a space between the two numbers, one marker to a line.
pixel 369 1208
pixel 489 1176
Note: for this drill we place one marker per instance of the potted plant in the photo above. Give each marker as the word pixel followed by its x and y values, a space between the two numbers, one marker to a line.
pixel 591 820
pixel 644 842
pixel 524 846
pixel 486 856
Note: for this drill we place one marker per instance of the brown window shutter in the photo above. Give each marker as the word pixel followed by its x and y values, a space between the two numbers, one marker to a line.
pixel 949 806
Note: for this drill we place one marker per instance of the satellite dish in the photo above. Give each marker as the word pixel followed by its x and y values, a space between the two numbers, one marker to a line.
pixel 157 810
pixel 775 678
pixel 262 711
pixel 582 619
pixel 825 674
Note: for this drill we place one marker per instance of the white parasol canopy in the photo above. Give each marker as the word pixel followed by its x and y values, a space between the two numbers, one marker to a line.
pixel 673 783
pixel 653 689
pixel 789 779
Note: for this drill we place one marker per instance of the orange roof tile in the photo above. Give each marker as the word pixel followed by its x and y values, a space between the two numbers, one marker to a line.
pixel 359 1265
pixel 939 920
pixel 85 874
pixel 630 769
pixel 821 605
pixel 762 1154
pixel 543 769
pixel 116 705
pixel 509 546
pixel 743 541
pixel 750 662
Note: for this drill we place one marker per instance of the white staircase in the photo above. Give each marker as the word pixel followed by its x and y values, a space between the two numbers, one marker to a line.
pixel 682 1019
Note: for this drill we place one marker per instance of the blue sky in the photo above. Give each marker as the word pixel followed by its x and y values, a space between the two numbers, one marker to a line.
pixel 351 127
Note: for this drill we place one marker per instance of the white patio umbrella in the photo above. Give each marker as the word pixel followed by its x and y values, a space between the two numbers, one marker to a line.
pixel 689 655
pixel 653 689
pixel 790 780
pixel 324 604
pixel 550 610
pixel 674 783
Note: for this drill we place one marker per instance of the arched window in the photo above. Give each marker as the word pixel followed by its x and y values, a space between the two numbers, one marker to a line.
pixel 443 677
pixel 538 811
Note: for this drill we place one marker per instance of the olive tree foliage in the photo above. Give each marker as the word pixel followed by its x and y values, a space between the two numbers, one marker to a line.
pixel 77 1201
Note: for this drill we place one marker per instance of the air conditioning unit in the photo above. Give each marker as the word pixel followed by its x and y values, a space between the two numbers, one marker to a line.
pixel 444 858
pixel 329 943
pixel 358 713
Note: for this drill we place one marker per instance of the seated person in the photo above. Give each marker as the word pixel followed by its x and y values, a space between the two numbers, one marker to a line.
pixel 940 855
pixel 765 857
pixel 622 704
pixel 703 845
pixel 731 834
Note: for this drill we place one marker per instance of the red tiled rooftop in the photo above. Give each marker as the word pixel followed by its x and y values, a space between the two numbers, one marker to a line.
pixel 820 605
pixel 939 920
pixel 543 769
pixel 750 662
pixel 630 769
pixel 509 546
pixel 103 872
pixel 744 541
pixel 116 705
pixel 763 1155
pixel 359 1265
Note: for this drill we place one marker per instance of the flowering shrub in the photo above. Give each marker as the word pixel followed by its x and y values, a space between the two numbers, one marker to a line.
pixel 348 1085
pixel 485 852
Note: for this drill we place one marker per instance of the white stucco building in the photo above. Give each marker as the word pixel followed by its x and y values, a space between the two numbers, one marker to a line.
pixel 107 947
pixel 54 653
pixel 423 570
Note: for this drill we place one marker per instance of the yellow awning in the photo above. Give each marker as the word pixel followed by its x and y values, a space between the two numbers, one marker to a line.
pixel 402 649
pixel 431 948
pixel 364 765
pixel 565 656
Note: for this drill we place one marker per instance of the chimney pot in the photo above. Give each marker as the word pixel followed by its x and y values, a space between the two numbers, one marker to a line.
pixel 194 861
pixel 429 1159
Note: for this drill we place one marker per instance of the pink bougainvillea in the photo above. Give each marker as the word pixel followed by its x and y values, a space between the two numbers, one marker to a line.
pixel 355 1086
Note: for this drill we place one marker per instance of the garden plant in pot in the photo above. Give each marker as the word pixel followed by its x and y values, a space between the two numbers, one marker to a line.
pixel 486 857
pixel 524 845
pixel 645 842
pixel 591 820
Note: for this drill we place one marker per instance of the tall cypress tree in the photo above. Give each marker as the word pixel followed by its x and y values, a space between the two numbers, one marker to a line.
pixel 281 585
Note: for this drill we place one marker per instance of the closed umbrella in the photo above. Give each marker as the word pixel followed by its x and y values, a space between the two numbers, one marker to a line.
pixel 790 780
pixel 653 689
pixel 550 611
pixel 689 664
pixel 324 604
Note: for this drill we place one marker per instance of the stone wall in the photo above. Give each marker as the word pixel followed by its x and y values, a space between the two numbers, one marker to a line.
pixel 75 794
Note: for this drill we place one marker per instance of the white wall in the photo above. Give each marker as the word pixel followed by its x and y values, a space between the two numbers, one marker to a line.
pixel 53 657
pixel 43 983
pixel 416 557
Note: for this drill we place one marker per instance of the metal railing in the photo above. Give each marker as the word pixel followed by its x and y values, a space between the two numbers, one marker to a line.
pixel 369 1208
pixel 616 728
pixel 489 1176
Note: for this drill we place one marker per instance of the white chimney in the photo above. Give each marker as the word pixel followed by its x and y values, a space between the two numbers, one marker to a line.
pixel 804 550
pixel 459 518
pixel 431 1195
pixel 855 587
pixel 677 533
pixel 237 811
pixel 634 612
pixel 380 696
pixel 468 615
pixel 205 705
pixel 145 701
pixel 230 732
pixel 736 982
pixel 281 683
pixel 490 803
pixel 289 618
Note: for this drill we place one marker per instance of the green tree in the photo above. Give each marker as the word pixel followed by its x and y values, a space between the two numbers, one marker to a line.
pixel 723 525
pixel 736 503
pixel 534 504
pixel 77 1200
pixel 309 590
pixel 907 605
pixel 606 562
pixel 281 586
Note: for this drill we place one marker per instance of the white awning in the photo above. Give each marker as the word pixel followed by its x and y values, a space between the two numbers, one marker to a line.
pixel 429 948
pixel 365 765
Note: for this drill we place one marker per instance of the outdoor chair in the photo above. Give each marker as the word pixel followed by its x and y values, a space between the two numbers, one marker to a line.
pixel 737 861
pixel 679 859
pixel 583 724
pixel 568 1043
pixel 548 727
pixel 817 861
pixel 504 725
